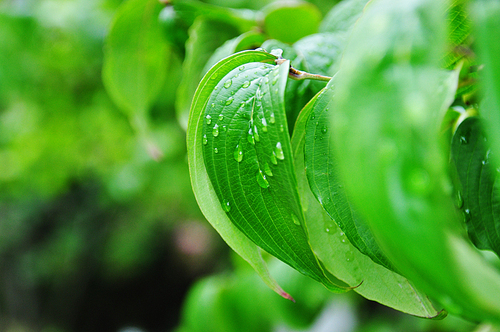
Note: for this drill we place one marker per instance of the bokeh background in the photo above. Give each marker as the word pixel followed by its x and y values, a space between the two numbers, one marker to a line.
pixel 100 231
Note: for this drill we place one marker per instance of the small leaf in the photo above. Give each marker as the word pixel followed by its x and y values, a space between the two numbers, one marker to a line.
pixel 135 56
pixel 479 185
pixel 291 21
pixel 247 154
pixel 202 186
pixel 459 28
pixel 324 180
pixel 337 253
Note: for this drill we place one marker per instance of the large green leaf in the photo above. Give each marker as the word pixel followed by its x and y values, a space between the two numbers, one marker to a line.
pixel 333 247
pixel 324 180
pixel 246 148
pixel 389 99
pixel 479 185
pixel 487 32
pixel 135 56
pixel 202 186
pixel 205 36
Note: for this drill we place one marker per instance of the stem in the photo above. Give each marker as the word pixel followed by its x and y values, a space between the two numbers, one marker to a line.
pixel 300 75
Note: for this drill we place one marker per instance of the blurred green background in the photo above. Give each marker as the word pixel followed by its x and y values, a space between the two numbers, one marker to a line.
pixel 95 235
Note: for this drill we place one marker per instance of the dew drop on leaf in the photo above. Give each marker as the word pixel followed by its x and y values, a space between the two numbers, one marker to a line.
pixel 264 125
pixel 209 119
pixel 459 200
pixel 267 169
pixel 226 206
pixel 216 150
pixel 246 84
pixel 238 153
pixel 295 219
pixel 282 128
pixel 205 139
pixel 228 83
pixel 275 80
pixel 279 151
pixel 229 101
pixel 221 117
pixel 262 180
pixel 272 118
pixel 250 137
pixel 242 68
pixel 215 131
pixel 256 134
pixel 273 158
pixel 324 130
pixel 463 140
pixel 349 256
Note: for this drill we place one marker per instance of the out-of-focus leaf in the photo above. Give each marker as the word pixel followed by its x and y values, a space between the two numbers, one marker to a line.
pixel 390 97
pixel 342 16
pixel 459 28
pixel 246 149
pixel 335 250
pixel 135 56
pixel 479 192
pixel 487 32
pixel 202 186
pixel 205 36
pixel 324 181
pixel 291 21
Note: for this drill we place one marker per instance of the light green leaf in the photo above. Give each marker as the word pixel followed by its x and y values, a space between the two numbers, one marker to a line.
pixel 487 32
pixel 205 36
pixel 480 199
pixel 246 149
pixel 342 16
pixel 291 21
pixel 135 56
pixel 202 186
pixel 335 250
pixel 324 180
pixel 389 100
pixel 459 28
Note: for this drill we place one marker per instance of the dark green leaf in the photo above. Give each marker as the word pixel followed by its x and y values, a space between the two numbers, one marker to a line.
pixel 135 56
pixel 246 148
pixel 324 180
pixel 337 253
pixel 479 186
pixel 202 187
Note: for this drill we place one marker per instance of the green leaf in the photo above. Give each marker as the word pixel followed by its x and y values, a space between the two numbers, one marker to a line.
pixel 487 32
pixel 202 186
pixel 205 36
pixel 246 149
pixel 324 180
pixel 335 250
pixel 459 28
pixel 479 185
pixel 135 56
pixel 291 21
pixel 342 16
pixel 389 99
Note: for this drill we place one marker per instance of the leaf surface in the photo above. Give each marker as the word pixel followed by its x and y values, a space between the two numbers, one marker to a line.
pixel 246 149
pixel 342 16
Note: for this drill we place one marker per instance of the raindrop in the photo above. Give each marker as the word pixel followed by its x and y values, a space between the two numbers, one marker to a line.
pixel 205 139
pixel 275 80
pixel 224 128
pixel 313 116
pixel 213 105
pixel 226 206
pixel 282 128
pixel 242 105
pixel 228 83
pixel 209 119
pixel 324 130
pixel 463 140
pixel 238 153
pixel 264 125
pixel 486 158
pixel 215 131
pixel 246 84
pixel 273 158
pixel 295 219
pixel 267 169
pixel 349 256
pixel 221 117
pixel 272 118
pixel 343 238
pixel 279 151
pixel 216 150
pixel 250 137
pixel 242 68
pixel 256 134
pixel 229 101
pixel 459 200
pixel 262 180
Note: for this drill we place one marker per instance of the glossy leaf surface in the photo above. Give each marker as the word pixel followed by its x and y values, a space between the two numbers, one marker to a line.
pixel 479 195
pixel 246 149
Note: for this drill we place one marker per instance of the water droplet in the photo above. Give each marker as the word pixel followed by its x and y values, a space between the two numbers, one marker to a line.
pixel 229 101
pixel 262 180
pixel 205 139
pixel 282 128
pixel 242 105
pixel 250 137
pixel 221 117
pixel 238 153
pixel 215 131
pixel 343 238
pixel 242 68
pixel 226 206
pixel 329 228
pixel 267 169
pixel 264 125
pixel 256 134
pixel 313 116
pixel 279 151
pixel 349 255
pixel 228 83
pixel 213 105
pixel 209 119
pixel 272 118
pixel 486 158
pixel 295 219
pixel 216 150
pixel 224 128
pixel 467 215
pixel 459 200
pixel 246 84
pixel 324 130
pixel 275 80
pixel 273 158
pixel 463 140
